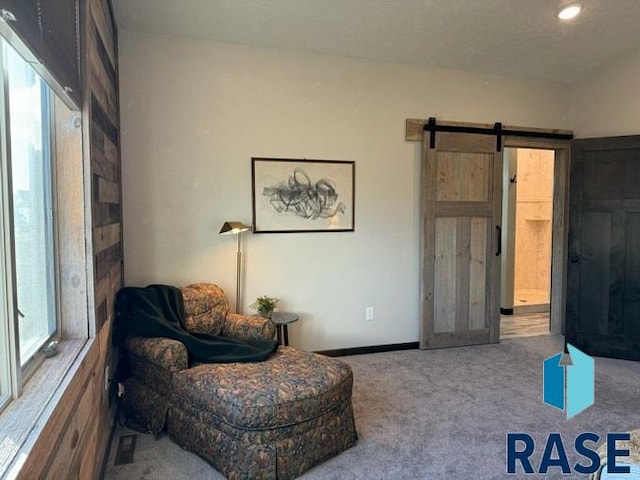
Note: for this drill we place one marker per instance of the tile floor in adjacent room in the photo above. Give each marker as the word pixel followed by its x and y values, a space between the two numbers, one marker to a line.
pixel 529 300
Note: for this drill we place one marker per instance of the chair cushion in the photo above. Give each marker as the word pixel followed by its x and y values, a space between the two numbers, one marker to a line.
pixel 291 386
pixel 206 307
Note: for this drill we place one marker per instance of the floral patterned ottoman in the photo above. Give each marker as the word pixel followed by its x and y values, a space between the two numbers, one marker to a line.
pixel 273 419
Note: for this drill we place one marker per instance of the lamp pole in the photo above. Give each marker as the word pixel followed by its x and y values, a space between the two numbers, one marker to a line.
pixel 238 269
pixel 236 228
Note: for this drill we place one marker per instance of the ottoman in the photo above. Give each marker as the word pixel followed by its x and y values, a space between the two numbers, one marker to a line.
pixel 273 419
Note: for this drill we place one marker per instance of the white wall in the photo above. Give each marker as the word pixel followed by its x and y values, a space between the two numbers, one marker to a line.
pixel 193 114
pixel 608 103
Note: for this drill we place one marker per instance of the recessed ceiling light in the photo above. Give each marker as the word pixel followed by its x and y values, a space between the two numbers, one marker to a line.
pixel 570 11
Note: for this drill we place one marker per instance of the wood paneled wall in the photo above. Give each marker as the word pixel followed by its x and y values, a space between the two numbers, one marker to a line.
pixel 74 441
pixel 102 110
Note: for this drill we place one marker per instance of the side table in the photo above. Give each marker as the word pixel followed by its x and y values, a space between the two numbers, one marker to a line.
pixel 282 320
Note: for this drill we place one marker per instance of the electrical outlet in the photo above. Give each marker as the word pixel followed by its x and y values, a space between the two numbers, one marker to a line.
pixel 368 313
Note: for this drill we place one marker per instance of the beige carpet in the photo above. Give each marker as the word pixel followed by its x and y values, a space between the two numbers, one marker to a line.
pixel 440 414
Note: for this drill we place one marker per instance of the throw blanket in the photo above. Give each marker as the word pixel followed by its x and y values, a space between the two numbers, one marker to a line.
pixel 158 311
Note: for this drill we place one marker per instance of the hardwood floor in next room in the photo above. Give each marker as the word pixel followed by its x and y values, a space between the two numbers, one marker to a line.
pixel 524 325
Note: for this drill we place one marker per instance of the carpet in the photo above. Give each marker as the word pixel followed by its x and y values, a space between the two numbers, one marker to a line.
pixel 439 414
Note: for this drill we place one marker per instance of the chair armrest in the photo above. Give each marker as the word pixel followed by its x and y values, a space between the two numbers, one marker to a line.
pixel 244 327
pixel 165 353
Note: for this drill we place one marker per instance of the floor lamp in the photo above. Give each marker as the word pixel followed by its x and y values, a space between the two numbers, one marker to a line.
pixel 236 228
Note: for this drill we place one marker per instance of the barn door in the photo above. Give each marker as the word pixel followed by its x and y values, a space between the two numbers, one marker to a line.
pixel 461 192
pixel 603 272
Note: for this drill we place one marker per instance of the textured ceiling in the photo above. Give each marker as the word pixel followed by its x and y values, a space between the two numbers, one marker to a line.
pixel 517 38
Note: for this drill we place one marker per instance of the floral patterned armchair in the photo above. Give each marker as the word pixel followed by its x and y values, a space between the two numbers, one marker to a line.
pixel 272 419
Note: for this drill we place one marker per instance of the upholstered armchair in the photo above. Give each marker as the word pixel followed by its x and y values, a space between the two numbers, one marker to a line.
pixel 272 419
pixel 153 361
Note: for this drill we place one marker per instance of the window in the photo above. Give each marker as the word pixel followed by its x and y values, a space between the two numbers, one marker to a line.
pixel 46 274
pixel 29 307
pixel 28 223
pixel 32 212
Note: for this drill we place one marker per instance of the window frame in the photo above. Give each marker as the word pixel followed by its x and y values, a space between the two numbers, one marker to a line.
pixel 7 364
pixel 18 373
pixel 11 375
pixel 42 386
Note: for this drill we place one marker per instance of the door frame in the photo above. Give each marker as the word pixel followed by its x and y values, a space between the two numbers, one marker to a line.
pixel 414 131
pixel 560 223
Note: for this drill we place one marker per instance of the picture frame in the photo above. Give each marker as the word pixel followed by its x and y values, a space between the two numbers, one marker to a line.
pixel 301 195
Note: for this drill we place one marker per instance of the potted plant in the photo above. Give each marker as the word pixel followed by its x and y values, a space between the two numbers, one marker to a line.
pixel 264 305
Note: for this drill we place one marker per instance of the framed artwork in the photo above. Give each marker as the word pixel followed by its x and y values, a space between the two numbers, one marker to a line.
pixel 291 195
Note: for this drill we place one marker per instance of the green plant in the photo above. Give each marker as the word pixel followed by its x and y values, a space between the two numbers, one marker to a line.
pixel 264 305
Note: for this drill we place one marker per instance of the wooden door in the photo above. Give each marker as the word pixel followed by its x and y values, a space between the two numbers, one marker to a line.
pixel 461 192
pixel 603 272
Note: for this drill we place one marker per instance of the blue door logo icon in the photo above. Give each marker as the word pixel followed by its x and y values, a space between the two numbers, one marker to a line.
pixel 569 386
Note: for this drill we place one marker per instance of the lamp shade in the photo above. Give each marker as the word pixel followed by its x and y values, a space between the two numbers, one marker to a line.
pixel 233 227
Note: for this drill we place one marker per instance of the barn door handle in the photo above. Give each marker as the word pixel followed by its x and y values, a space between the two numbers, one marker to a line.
pixel 499 230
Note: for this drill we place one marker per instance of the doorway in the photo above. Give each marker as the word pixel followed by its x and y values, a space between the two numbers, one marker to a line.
pixel 461 231
pixel 527 226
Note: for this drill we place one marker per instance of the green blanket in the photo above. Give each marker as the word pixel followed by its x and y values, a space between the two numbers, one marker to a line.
pixel 158 311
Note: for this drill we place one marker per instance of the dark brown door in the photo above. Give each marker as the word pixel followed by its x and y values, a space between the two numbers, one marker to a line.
pixel 603 274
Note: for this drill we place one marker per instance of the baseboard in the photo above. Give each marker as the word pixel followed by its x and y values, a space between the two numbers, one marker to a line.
pixel 343 352
pixel 506 311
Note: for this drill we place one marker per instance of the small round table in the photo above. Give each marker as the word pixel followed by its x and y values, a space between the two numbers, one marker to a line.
pixel 282 320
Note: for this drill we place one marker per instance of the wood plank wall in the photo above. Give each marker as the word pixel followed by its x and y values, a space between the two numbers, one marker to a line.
pixel 105 158
pixel 73 443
